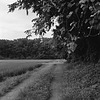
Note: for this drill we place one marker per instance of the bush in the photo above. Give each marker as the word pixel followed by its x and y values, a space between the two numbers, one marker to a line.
pixel 87 50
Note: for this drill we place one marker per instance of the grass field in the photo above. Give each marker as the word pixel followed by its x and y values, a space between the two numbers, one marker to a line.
pixel 11 68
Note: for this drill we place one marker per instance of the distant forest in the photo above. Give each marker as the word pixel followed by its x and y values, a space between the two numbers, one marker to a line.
pixel 30 49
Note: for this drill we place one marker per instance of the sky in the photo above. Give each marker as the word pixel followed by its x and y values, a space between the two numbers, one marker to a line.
pixel 13 25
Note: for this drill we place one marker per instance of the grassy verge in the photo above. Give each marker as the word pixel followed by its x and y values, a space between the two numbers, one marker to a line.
pixel 38 89
pixel 81 82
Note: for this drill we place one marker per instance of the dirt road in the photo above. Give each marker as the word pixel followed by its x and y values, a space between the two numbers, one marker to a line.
pixel 54 69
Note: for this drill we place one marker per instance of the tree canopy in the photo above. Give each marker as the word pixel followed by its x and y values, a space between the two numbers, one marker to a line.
pixel 29 49
pixel 77 18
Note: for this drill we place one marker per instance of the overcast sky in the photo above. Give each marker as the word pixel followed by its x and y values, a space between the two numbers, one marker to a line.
pixel 13 25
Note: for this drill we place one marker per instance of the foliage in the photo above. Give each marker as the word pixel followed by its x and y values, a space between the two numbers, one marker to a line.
pixel 76 18
pixel 28 49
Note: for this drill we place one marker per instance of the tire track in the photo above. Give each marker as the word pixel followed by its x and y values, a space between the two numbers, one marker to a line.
pixel 56 85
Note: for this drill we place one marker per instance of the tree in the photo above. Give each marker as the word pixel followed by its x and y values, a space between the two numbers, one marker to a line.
pixel 79 20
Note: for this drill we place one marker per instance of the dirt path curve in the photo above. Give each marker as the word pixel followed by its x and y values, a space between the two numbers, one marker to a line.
pixel 54 86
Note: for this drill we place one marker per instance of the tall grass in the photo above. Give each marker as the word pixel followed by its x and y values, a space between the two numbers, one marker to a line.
pixel 15 71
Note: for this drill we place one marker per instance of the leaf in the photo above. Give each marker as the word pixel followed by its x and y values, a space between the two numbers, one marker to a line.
pixel 27 11
pixel 35 19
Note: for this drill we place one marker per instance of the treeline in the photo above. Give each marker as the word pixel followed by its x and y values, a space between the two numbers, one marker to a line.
pixel 29 49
